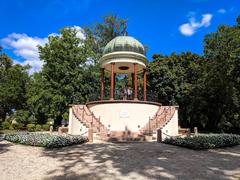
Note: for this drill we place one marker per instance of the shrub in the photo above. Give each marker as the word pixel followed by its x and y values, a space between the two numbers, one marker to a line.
pixel 45 127
pixel 22 116
pixel 5 125
pixel 38 127
pixel 31 127
pixel 44 139
pixel 17 126
pixel 205 141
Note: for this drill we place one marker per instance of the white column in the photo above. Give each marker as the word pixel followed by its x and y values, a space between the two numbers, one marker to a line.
pixel 70 121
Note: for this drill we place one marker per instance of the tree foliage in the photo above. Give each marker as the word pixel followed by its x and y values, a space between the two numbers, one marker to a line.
pixel 67 75
pixel 14 81
pixel 219 86
pixel 207 88
pixel 111 27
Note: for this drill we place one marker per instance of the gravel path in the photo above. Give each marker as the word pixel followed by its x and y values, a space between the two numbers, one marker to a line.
pixel 117 161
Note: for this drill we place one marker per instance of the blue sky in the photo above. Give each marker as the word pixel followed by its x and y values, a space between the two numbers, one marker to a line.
pixel 164 26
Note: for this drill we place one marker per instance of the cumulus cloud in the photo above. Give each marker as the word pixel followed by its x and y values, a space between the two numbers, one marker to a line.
pixel 188 29
pixel 26 47
pixel 80 32
pixel 221 11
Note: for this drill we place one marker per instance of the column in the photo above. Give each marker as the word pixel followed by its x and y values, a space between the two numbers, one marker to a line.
pixel 70 120
pixel 135 82
pixel 132 85
pixel 114 85
pixel 112 82
pixel 102 79
pixel 144 85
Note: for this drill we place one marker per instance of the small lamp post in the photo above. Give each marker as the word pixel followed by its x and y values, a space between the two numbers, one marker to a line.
pixel 51 127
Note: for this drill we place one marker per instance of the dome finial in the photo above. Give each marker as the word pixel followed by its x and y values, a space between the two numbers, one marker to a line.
pixel 125 33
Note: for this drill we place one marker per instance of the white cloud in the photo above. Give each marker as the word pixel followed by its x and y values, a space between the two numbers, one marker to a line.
pixel 221 11
pixel 188 29
pixel 25 47
pixel 80 32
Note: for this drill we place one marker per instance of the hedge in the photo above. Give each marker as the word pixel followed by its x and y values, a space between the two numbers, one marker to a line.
pixel 6 125
pixel 17 126
pixel 44 139
pixel 31 127
pixel 45 127
pixel 208 141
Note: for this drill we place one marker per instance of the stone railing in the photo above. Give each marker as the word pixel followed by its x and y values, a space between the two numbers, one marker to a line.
pixel 161 118
pixel 85 116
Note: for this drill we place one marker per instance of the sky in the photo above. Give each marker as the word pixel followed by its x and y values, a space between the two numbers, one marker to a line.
pixel 165 26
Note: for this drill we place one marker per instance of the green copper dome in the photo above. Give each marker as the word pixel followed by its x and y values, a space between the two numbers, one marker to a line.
pixel 124 43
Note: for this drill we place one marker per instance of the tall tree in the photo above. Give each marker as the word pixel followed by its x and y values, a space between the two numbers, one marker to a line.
pixel 219 87
pixel 172 78
pixel 111 27
pixel 14 81
pixel 67 75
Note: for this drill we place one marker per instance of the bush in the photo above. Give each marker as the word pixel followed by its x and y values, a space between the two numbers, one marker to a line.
pixel 46 127
pixel 22 116
pixel 17 126
pixel 6 125
pixel 31 127
pixel 205 141
pixel 38 127
pixel 44 139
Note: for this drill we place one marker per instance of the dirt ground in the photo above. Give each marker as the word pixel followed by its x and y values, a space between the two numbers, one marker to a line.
pixel 117 161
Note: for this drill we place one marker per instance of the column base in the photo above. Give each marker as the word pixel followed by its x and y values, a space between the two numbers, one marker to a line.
pixel 111 99
pixel 135 99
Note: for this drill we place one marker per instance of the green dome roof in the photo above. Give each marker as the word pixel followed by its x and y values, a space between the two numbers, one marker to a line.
pixel 124 43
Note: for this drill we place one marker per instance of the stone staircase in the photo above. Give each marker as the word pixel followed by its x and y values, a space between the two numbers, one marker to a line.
pixel 159 120
pixel 101 132
pixel 87 118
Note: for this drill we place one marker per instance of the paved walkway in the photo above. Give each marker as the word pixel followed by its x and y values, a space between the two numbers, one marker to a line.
pixel 117 161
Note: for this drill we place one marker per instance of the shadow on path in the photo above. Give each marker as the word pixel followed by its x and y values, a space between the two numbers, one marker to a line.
pixel 143 160
pixel 4 146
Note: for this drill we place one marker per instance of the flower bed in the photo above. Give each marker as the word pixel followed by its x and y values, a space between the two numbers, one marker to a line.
pixel 208 141
pixel 44 139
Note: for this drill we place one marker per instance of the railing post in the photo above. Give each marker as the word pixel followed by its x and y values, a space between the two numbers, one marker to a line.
pixel 83 114
pixel 92 119
pixel 90 131
pixel 156 122
pixel 165 117
pixel 99 124
pixel 149 126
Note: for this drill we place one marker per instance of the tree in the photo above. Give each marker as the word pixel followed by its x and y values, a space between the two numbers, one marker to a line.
pixel 219 87
pixel 67 76
pixel 172 78
pixel 14 81
pixel 111 27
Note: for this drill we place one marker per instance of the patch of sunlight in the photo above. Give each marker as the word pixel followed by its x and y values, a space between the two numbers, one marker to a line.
pixel 162 158
pixel 228 153
pixel 167 175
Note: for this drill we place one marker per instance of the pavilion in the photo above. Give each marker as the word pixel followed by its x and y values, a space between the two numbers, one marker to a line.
pixel 124 55
pixel 123 120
